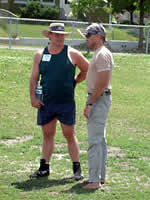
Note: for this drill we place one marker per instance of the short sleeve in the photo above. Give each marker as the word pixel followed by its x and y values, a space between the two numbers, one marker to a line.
pixel 104 62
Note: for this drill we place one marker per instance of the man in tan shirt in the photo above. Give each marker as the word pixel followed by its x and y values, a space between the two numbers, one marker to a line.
pixel 98 104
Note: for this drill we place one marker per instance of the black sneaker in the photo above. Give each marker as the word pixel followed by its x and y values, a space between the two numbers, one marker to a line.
pixel 78 176
pixel 43 171
pixel 77 171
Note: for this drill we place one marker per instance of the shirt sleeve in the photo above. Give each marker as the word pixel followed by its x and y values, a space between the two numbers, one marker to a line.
pixel 104 62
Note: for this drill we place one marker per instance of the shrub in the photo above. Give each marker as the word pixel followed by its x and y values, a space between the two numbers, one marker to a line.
pixel 31 10
pixel 50 13
pixel 34 9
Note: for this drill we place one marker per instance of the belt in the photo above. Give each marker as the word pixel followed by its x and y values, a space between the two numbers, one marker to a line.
pixel 107 92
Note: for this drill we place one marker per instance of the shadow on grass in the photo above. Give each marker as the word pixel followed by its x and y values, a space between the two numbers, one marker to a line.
pixel 36 184
pixel 78 189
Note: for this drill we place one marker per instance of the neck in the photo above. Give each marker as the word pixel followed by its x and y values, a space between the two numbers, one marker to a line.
pixel 97 46
pixel 53 49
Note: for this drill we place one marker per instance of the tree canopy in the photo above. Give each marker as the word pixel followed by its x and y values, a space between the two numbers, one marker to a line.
pixel 90 10
pixel 142 6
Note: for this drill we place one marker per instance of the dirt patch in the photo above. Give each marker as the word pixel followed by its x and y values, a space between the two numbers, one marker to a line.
pixel 115 152
pixel 11 142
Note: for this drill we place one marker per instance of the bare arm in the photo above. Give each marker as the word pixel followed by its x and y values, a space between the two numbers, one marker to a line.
pixel 101 83
pixel 81 62
pixel 33 81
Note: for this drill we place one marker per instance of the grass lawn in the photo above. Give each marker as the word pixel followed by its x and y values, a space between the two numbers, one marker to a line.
pixel 30 30
pixel 128 125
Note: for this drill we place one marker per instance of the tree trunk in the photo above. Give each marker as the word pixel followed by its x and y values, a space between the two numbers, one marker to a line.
pixel 10 5
pixel 131 17
pixel 141 22
pixel 57 3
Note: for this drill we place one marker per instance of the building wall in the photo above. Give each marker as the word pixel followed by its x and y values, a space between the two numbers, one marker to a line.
pixel 23 2
pixel 65 6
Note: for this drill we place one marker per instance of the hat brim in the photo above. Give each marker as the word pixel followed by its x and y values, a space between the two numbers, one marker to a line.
pixel 46 32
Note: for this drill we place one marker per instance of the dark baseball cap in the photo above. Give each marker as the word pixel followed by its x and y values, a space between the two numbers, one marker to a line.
pixel 94 29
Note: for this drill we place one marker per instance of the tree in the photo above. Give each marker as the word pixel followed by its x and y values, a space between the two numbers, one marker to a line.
pixel 132 5
pixel 90 10
pixel 10 5
pixel 122 5
pixel 144 6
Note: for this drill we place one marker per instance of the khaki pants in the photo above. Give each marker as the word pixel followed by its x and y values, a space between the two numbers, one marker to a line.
pixel 97 151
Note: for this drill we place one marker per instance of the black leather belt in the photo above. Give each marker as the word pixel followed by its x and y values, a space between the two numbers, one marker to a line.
pixel 107 92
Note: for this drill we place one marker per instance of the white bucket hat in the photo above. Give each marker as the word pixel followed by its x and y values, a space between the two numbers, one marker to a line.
pixel 55 28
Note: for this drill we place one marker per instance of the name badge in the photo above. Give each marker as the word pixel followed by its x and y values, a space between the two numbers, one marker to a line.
pixel 46 57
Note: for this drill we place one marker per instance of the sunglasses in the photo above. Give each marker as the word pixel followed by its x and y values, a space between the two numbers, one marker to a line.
pixel 87 35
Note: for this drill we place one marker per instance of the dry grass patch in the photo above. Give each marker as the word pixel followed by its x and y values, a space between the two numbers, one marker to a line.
pixel 18 140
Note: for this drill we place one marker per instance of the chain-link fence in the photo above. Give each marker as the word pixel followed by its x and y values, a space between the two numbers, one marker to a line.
pixel 121 38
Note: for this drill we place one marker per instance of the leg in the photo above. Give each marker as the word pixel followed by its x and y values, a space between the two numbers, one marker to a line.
pixel 73 146
pixel 95 157
pixel 49 131
pixel 47 149
pixel 104 162
pixel 97 152
pixel 73 149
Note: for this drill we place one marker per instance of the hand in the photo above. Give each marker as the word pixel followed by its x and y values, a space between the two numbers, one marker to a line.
pixel 87 110
pixel 36 103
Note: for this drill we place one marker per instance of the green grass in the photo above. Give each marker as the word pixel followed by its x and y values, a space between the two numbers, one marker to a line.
pixel 127 135
pixel 31 30
pixel 121 34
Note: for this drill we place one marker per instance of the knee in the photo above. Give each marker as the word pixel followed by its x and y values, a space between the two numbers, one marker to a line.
pixel 70 138
pixel 48 135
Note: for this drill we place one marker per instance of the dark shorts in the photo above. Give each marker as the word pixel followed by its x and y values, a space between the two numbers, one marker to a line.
pixel 65 113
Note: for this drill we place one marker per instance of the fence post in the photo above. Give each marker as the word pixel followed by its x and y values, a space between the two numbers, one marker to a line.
pixel 17 27
pixel 10 27
pixel 112 32
pixel 72 33
pixel 147 40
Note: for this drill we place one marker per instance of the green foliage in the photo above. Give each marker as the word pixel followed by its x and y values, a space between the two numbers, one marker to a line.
pixel 10 5
pixel 34 9
pixel 121 5
pixel 130 5
pixel 90 10
pixel 49 13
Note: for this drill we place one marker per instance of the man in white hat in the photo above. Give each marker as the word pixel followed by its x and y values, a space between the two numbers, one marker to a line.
pixel 56 65
pixel 98 104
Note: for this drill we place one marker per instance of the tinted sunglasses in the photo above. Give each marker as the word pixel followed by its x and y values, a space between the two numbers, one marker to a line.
pixel 87 35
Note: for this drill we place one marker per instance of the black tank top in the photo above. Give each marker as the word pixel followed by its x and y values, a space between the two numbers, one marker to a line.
pixel 57 77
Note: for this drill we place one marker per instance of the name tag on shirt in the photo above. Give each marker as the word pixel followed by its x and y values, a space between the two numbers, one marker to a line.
pixel 46 58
